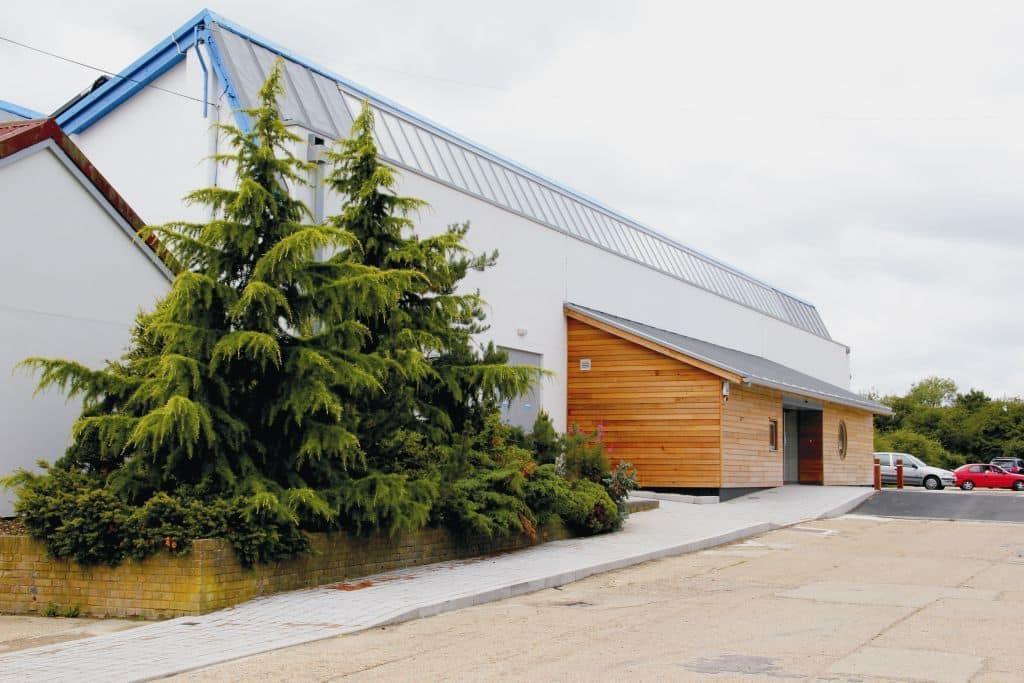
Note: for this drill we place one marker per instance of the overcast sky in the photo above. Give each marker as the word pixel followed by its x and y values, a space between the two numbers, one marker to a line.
pixel 865 156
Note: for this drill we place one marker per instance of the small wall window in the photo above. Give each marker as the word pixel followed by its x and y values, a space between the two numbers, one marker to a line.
pixel 842 439
pixel 773 435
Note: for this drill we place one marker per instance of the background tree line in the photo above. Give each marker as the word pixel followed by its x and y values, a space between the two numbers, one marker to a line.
pixel 947 428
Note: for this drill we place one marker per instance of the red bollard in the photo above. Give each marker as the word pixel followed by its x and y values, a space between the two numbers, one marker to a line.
pixel 878 475
pixel 899 473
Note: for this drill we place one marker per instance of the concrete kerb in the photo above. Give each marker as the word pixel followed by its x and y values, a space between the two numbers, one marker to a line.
pixel 675 497
pixel 839 510
pixel 563 578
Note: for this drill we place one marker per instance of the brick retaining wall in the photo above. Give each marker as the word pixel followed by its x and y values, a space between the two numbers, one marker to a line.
pixel 210 576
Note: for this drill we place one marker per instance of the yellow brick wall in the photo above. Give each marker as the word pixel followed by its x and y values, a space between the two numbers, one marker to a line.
pixel 210 576
pixel 856 468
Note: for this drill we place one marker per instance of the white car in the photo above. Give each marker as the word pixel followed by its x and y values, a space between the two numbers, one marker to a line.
pixel 915 472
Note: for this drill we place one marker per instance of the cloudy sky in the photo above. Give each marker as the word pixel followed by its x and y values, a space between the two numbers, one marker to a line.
pixel 866 156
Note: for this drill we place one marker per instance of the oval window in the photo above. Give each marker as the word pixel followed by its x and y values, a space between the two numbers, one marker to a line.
pixel 842 439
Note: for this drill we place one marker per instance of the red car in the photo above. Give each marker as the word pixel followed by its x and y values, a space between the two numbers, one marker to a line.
pixel 987 476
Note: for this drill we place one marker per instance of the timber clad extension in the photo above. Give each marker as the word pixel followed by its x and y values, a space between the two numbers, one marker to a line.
pixel 686 423
pixel 657 413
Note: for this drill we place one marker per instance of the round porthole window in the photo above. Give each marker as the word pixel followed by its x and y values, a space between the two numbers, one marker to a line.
pixel 842 439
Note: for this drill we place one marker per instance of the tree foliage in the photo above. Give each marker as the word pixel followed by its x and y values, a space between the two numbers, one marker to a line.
pixel 936 422
pixel 298 376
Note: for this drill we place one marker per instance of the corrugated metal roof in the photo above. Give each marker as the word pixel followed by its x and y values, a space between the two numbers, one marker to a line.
pixel 753 369
pixel 325 103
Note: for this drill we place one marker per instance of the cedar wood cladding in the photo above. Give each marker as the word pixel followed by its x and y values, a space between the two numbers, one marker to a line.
pixel 856 468
pixel 747 458
pixel 667 417
pixel 659 414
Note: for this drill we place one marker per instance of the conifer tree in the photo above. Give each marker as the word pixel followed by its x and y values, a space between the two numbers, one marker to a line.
pixel 441 389
pixel 236 384
pixel 439 382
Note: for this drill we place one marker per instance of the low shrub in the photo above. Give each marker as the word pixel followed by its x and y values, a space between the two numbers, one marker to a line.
pixel 69 612
pixel 619 482
pixel 544 441
pixel 76 517
pixel 584 455
pixel 586 508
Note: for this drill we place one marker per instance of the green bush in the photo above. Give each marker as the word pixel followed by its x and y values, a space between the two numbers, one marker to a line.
pixel 586 508
pixel 484 483
pixel 69 612
pixel 544 441
pixel 76 517
pixel 925 448
pixel 619 482
pixel 584 455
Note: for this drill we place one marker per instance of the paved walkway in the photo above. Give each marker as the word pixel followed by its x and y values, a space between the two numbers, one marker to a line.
pixel 168 647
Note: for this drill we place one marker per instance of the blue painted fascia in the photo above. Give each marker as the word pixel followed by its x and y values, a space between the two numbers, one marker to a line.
pixel 18 110
pixel 132 79
pixel 224 75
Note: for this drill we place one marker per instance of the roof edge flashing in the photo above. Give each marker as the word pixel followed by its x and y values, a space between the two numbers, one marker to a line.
pixel 748 379
pixel 18 110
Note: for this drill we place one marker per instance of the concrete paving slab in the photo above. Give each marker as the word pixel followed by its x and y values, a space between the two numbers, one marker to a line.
pixel 965 627
pixel 288 619
pixel 917 665
pixel 897 595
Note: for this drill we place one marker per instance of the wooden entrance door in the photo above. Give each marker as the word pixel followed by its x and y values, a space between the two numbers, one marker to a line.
pixel 810 449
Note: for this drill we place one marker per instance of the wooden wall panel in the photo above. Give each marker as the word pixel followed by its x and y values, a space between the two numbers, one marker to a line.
pixel 856 468
pixel 747 458
pixel 658 413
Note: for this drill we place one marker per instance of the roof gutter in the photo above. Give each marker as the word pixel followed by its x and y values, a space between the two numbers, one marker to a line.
pixel 871 406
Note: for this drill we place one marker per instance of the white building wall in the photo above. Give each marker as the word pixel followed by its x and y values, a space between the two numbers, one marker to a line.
pixel 71 283
pixel 153 148
pixel 539 268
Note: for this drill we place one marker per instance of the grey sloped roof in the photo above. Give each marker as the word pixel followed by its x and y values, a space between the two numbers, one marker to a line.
pixel 326 103
pixel 753 369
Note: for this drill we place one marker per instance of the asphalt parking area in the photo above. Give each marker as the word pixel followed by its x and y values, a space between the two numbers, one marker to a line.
pixel 995 506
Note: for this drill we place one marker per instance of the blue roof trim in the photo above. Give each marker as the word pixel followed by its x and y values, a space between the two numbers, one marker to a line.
pixel 132 79
pixel 18 110
pixel 380 99
pixel 224 74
